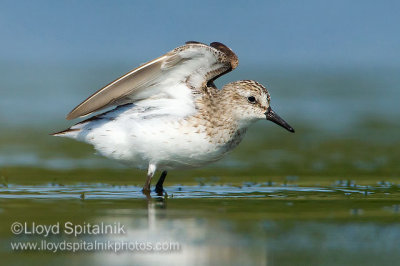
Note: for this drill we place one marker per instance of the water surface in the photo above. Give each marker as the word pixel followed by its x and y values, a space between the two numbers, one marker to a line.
pixel 326 195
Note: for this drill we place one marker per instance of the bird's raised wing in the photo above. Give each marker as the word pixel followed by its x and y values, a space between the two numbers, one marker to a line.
pixel 179 73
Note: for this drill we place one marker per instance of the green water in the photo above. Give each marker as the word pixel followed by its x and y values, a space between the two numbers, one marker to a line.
pixel 280 199
pixel 327 195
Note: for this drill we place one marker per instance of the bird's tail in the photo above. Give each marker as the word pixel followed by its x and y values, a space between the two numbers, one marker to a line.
pixel 71 132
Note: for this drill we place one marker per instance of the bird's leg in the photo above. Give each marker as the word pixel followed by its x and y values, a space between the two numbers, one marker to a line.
pixel 150 172
pixel 159 186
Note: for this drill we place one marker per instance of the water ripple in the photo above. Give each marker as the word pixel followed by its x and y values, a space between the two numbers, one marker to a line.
pixel 105 191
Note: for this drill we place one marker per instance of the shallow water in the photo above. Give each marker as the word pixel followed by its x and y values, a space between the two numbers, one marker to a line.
pixel 247 190
pixel 327 195
pixel 282 222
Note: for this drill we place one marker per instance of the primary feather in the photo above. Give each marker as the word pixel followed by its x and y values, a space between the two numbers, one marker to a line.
pixel 176 75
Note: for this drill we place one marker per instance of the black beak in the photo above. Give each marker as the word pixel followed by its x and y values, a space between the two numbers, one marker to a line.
pixel 272 116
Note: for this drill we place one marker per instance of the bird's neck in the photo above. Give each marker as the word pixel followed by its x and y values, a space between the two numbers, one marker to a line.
pixel 218 117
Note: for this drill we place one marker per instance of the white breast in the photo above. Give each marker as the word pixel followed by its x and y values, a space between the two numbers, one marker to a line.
pixel 145 134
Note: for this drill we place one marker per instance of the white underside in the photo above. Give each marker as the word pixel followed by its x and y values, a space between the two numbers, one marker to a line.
pixel 142 134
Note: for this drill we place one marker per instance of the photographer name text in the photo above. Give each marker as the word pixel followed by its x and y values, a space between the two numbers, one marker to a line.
pixel 67 228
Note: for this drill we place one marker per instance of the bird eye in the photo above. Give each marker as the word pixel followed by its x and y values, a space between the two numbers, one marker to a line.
pixel 251 99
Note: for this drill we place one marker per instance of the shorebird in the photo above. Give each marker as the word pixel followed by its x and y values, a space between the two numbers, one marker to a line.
pixel 170 115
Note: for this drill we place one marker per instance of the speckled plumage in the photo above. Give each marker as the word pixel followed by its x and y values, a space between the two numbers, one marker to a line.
pixel 169 113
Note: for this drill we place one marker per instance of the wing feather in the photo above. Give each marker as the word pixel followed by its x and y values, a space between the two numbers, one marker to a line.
pixel 194 64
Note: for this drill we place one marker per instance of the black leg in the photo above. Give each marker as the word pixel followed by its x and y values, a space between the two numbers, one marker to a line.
pixel 159 186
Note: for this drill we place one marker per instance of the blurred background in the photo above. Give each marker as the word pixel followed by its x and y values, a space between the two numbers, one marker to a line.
pixel 326 195
pixel 332 68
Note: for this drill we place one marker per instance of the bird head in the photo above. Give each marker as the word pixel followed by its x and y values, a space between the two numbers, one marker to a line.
pixel 251 102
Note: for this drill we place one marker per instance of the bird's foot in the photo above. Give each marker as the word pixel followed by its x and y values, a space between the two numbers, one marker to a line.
pixel 160 191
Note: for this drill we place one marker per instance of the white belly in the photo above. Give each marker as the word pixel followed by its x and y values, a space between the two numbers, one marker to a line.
pixel 167 142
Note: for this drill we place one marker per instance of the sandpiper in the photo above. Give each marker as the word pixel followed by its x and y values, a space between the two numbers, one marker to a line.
pixel 170 115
